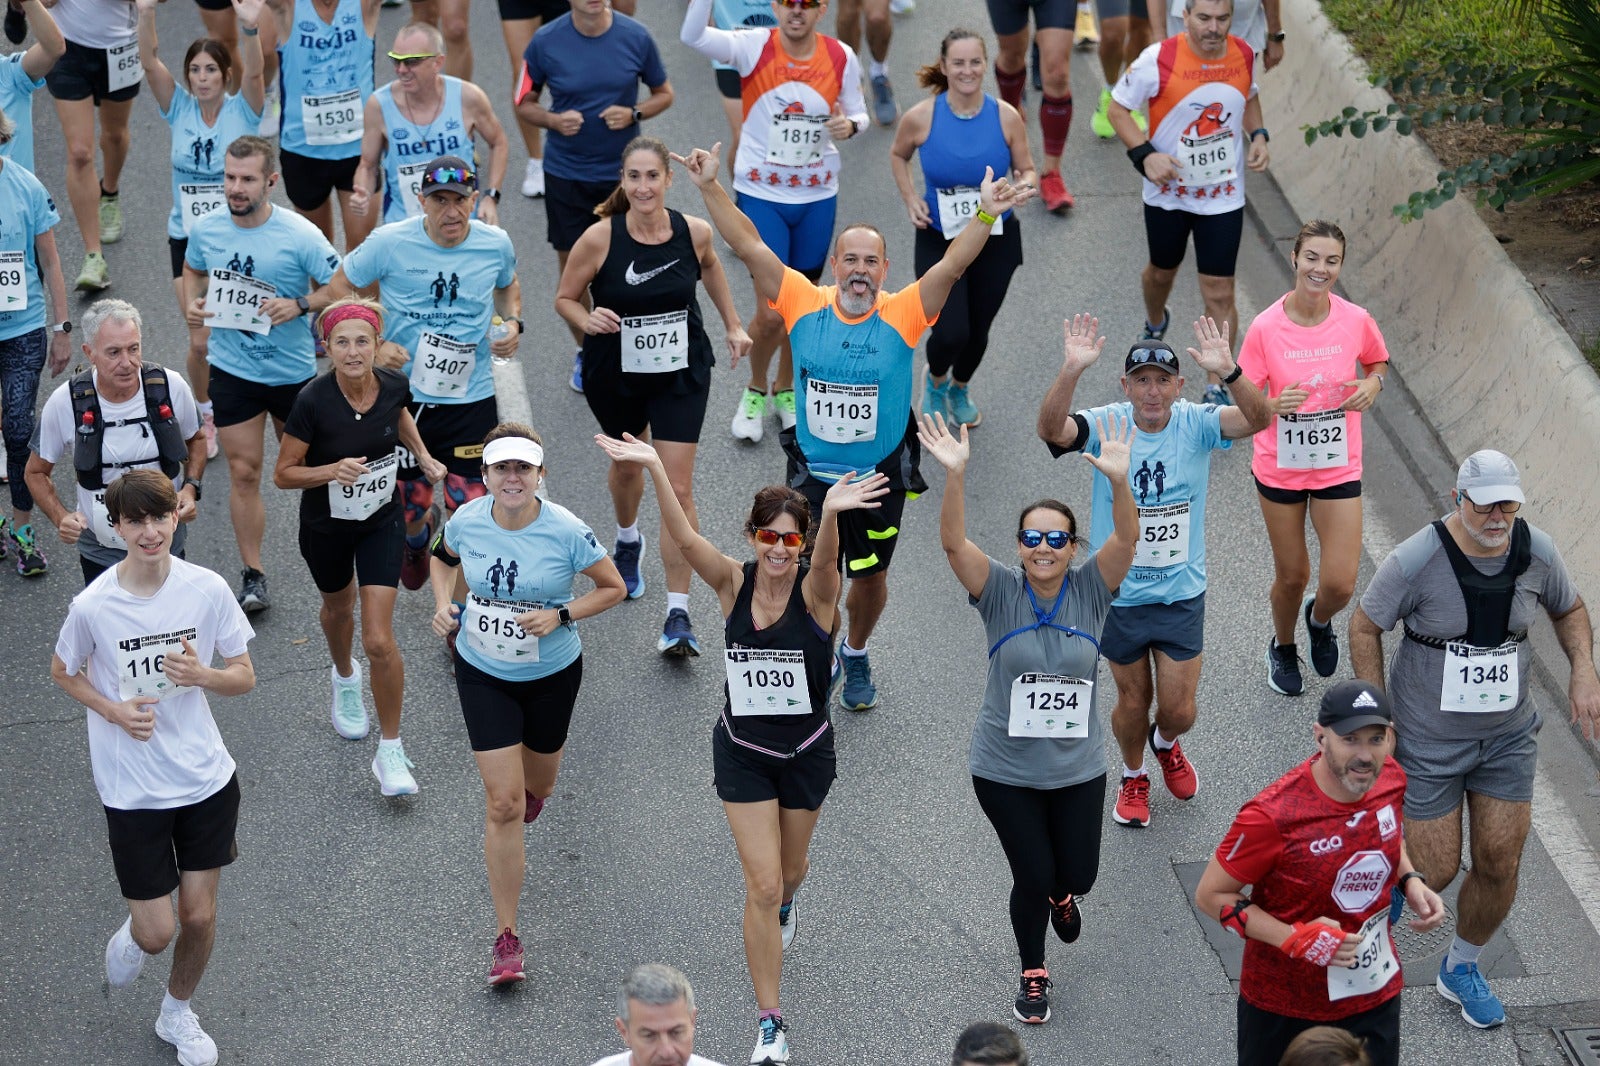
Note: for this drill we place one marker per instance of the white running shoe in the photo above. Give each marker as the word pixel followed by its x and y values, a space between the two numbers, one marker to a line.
pixel 533 178
pixel 349 711
pixel 902 7
pixel 393 771
pixel 772 1043
pixel 748 415
pixel 788 920
pixel 181 1029
pixel 124 957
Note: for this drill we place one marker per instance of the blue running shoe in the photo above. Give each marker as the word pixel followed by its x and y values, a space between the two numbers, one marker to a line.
pixel 626 556
pixel 1155 333
pixel 677 636
pixel 859 693
pixel 1216 394
pixel 576 381
pixel 1465 987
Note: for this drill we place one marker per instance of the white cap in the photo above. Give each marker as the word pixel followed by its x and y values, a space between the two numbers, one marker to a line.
pixel 499 451
pixel 1490 477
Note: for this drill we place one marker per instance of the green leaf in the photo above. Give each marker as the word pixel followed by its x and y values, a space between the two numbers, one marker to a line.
pixel 1379 124
pixel 1350 112
pixel 1358 128
pixel 1311 136
pixel 1402 125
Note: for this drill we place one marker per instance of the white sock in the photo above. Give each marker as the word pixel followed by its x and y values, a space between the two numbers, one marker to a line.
pixel 353 679
pixel 876 69
pixel 205 407
pixel 385 742
pixel 678 601
pixel 846 649
pixel 1085 5
pixel 1161 742
pixel 1128 771
pixel 628 534
pixel 1461 953
pixel 173 1006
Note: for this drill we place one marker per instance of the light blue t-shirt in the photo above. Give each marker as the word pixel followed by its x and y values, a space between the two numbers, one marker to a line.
pixel 448 292
pixel 26 211
pixel 287 252
pixel 197 150
pixel 326 77
pixel 413 146
pixel 535 564
pixel 16 100
pixel 1169 473
pixel 741 15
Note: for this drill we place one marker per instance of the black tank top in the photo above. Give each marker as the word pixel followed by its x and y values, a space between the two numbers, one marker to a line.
pixel 795 629
pixel 650 279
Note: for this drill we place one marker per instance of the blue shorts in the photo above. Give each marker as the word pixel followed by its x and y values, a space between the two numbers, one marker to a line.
pixel 1177 630
pixel 800 235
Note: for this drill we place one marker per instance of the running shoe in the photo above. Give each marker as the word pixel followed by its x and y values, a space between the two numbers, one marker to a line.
pixel 1066 918
pixel 17 24
pixel 677 635
pixel 1033 63
pixel 271 116
pixel 1085 34
pixel 1465 987
pixel 1216 394
pixel 783 404
pixel 5 534
pixel 787 922
pixel 883 105
pixel 962 410
pixel 507 965
pixel 533 178
pixel 1155 333
pixel 1053 191
pixel 393 771
pixel 936 397
pixel 208 426
pixel 1133 802
pixel 110 219
pixel 1142 122
pixel 772 1043
pixel 124 957
pixel 898 7
pixel 859 693
pixel 30 560
pixel 93 278
pixel 1101 122
pixel 1283 668
pixel 1033 998
pixel 1324 642
pixel 414 565
pixel 626 555
pixel 181 1029
pixel 576 382
pixel 349 712
pixel 532 806
pixel 1176 771
pixel 747 417
pixel 253 591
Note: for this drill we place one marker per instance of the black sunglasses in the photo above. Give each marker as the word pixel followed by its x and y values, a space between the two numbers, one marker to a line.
pixel 1056 538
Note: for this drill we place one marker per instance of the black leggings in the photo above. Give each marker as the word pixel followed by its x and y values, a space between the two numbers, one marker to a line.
pixel 957 341
pixel 1051 838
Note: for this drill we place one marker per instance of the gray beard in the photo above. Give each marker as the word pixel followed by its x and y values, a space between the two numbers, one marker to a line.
pixel 856 306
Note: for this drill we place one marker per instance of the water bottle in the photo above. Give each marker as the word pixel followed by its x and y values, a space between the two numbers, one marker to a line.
pixel 499 329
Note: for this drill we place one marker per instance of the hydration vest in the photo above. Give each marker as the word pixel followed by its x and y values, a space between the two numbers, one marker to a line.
pixel 89 427
pixel 1488 597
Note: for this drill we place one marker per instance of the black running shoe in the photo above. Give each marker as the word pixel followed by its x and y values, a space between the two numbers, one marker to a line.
pixel 1033 998
pixel 1324 644
pixel 1283 668
pixel 253 591
pixel 1067 919
pixel 16 24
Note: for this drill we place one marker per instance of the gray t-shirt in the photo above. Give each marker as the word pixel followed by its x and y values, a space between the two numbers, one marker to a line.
pixel 1416 585
pixel 1038 762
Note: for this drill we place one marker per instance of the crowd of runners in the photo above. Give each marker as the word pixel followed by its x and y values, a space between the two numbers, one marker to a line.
pixel 410 474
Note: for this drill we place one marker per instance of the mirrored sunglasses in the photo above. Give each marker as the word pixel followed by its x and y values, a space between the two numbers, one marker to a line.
pixel 769 537
pixel 1056 538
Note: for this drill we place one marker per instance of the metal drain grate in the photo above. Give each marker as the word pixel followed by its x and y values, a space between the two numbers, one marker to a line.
pixel 1414 945
pixel 1582 1046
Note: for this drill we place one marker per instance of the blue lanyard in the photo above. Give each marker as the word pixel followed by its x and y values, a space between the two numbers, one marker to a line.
pixel 1043 620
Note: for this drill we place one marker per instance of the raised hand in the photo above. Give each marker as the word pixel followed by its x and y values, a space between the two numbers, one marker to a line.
pixel 1116 447
pixel 848 494
pixel 937 440
pixel 629 449
pixel 998 195
pixel 1215 354
pixel 1083 342
pixel 248 12
pixel 702 165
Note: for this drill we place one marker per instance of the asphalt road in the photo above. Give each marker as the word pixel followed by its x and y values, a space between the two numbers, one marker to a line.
pixel 357 929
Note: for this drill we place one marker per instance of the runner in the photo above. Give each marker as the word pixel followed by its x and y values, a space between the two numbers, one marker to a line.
pixel 29 260
pixel 1157 624
pixel 204 119
pixel 1466 591
pixel 23 73
pixel 442 278
pixel 1052 56
pixel 1038 758
pixel 139 638
pixel 519 21
pixel 957 133
pixel 254 275
pixel 1304 351
pixel 592 60
pixel 518 659
pixel 849 393
pixel 421 115
pixel 327 50
pixel 1256 21
pixel 1318 948
pixel 647 353
pixel 222 26
pixel 339 447
pixel 880 31
pixel 1125 31
pixel 655 1018
pixel 96 79
pixel 801 92
pixel 1198 89
pixel 773 769
pixel 142 416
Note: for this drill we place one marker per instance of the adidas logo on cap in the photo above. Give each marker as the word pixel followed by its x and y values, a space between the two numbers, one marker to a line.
pixel 1364 700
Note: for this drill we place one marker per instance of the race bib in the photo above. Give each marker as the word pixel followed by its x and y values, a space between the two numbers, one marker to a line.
pixel 334 119
pixel 1479 679
pixel 655 344
pixel 443 365
pixel 1375 962
pixel 410 187
pixel 100 523
pixel 767 681
pixel 1319 441
pixel 234 302
pixel 1209 160
pixel 490 626
pixel 1051 705
pixel 1163 536
pixel 197 201
pixel 957 207
pixel 796 140
pixel 123 67
pixel 141 664
pixel 13 281
pixel 841 414
pixel 369 492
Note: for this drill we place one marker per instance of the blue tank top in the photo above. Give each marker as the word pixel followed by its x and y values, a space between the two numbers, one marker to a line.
pixel 326 78
pixel 413 147
pixel 957 150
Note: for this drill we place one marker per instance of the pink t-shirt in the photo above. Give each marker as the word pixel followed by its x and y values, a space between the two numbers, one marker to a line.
pixel 1276 354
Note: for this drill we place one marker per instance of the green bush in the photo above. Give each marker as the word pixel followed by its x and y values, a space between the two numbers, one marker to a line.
pixel 1389 34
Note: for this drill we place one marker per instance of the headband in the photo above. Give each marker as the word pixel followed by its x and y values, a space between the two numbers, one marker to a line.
pixel 335 315
pixel 509 448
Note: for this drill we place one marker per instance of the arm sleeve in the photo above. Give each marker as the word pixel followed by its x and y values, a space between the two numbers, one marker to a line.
pixel 1251 847
pixel 717 45
pixel 1057 451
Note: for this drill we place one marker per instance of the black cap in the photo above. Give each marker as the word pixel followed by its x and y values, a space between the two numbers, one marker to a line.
pixel 1158 354
pixel 450 173
pixel 1349 705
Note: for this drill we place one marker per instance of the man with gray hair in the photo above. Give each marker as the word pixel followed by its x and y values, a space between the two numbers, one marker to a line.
pixel 121 414
pixel 1465 588
pixel 655 1018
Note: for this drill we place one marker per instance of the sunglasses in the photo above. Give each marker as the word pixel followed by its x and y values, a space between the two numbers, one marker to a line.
pixel 1506 506
pixel 449 175
pixel 1056 538
pixel 807 5
pixel 769 537
pixel 1159 356
pixel 412 60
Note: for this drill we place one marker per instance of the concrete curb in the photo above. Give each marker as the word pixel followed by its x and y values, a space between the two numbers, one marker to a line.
pixel 1485 360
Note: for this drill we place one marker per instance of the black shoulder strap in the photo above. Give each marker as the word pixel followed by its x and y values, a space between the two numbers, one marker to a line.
pixel 87 432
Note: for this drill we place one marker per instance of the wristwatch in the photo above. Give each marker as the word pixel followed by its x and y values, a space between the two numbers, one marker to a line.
pixel 61 327
pixel 493 194
pixel 1231 378
pixel 1276 38
pixel 521 326
pixel 304 305
pixel 638 116
pixel 193 483
pixel 1408 875
pixel 564 615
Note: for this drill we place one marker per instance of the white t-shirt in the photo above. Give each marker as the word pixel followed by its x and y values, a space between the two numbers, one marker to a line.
pixel 119 635
pixel 97 23
pixel 625 1059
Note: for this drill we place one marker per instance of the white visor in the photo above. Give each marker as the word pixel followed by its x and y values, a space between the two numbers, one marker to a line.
pixel 513 448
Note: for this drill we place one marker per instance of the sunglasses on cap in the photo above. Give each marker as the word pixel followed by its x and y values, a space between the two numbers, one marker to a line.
pixel 449 175
pixel 412 59
pixel 769 537
pixel 1056 538
pixel 1158 356
pixel 1506 506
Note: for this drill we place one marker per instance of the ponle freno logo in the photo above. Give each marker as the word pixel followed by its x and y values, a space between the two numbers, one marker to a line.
pixel 1361 881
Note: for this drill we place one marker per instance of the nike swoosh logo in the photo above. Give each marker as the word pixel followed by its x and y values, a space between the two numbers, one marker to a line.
pixel 635 278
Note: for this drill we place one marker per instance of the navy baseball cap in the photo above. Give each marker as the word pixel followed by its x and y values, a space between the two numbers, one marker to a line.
pixel 1158 354
pixel 1349 705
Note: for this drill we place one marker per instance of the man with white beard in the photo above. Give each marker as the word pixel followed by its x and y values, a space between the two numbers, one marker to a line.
pixel 1466 588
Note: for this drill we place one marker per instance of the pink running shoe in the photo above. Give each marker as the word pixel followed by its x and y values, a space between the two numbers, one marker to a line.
pixel 507 965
